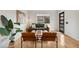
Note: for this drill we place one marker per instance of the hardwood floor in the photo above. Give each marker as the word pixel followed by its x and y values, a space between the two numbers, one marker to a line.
pixel 67 42
pixel 64 41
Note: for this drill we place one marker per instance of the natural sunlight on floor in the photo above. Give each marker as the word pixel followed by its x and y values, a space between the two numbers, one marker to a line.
pixel 62 40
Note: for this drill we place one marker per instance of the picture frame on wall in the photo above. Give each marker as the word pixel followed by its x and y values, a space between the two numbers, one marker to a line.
pixel 43 18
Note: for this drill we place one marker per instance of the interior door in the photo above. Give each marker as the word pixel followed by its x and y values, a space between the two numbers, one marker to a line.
pixel 61 22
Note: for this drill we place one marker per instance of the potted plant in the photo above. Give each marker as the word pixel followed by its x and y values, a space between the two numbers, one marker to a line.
pixel 8 27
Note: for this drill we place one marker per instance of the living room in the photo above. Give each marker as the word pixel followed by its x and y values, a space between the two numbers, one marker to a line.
pixel 39 29
pixel 41 21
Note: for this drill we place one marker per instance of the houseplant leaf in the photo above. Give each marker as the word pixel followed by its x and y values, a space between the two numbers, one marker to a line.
pixel 4 20
pixel 4 32
pixel 10 24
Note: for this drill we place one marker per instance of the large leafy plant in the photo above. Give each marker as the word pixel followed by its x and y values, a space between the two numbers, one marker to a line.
pixel 8 27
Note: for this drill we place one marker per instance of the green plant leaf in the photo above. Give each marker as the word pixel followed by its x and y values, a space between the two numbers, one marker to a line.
pixel 18 30
pixel 4 32
pixel 4 20
pixel 10 24
pixel 13 34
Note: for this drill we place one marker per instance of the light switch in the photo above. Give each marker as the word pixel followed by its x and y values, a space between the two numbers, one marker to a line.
pixel 66 22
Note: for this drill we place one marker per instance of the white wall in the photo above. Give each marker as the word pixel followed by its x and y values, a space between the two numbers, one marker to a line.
pixel 72 28
pixel 10 14
pixel 53 17
pixel 26 16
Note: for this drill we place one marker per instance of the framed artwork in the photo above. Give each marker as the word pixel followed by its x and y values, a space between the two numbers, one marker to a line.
pixel 46 19
pixel 20 16
pixel 43 19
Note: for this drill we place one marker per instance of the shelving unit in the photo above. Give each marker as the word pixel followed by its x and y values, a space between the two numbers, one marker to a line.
pixel 61 22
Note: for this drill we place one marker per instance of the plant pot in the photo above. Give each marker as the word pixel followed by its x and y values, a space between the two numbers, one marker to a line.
pixel 11 44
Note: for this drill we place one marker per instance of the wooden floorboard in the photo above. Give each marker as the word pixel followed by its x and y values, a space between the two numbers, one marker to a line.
pixel 64 41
